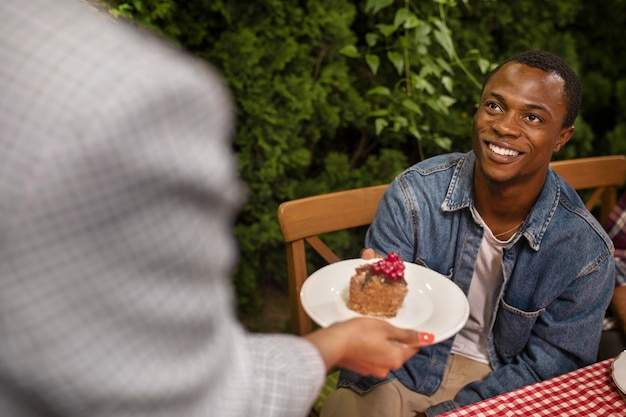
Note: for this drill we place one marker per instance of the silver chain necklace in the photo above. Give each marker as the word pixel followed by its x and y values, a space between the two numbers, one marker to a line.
pixel 510 230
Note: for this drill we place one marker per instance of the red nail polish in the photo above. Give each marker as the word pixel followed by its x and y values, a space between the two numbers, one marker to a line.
pixel 427 338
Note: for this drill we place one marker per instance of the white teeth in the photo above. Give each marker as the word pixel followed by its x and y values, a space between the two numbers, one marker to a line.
pixel 502 151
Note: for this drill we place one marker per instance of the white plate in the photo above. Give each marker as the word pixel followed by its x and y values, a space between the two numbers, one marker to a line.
pixel 619 371
pixel 433 303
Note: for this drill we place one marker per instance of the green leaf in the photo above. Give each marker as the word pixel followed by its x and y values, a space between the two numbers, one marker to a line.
pixel 139 6
pixel 379 113
pixel 422 31
pixel 380 90
pixel 397 60
pixel 447 100
pixel 438 106
pixel 422 84
pixel 350 51
pixel 386 30
pixel 373 61
pixel 444 143
pixel 400 121
pixel 484 65
pixel 374 6
pixel 412 105
pixel 401 15
pixel 442 35
pixel 125 7
pixel 445 65
pixel 447 83
pixel 429 67
pixel 416 133
pixel 380 124
pixel 371 39
pixel 300 157
pixel 412 22
pixel 445 41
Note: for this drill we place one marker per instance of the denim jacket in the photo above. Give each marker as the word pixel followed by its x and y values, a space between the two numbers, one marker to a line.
pixel 558 277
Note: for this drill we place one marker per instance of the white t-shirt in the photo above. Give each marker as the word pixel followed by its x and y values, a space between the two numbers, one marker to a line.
pixel 471 341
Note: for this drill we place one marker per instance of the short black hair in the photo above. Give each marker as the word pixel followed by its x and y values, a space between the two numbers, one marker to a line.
pixel 554 64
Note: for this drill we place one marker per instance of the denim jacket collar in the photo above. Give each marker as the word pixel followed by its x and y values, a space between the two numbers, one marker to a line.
pixel 460 195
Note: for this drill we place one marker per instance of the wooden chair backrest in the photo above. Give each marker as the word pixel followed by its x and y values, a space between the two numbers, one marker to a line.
pixel 303 220
pixel 603 174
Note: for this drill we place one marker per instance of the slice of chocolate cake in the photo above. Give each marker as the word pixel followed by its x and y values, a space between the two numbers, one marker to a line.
pixel 378 289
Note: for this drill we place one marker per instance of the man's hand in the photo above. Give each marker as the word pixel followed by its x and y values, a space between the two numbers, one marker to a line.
pixel 368 253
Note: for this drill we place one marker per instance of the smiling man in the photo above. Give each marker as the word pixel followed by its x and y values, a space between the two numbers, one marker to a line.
pixel 535 265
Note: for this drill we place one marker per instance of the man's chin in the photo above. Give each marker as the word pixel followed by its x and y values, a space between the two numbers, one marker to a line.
pixel 501 176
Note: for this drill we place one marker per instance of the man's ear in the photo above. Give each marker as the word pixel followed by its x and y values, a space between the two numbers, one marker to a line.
pixel 564 137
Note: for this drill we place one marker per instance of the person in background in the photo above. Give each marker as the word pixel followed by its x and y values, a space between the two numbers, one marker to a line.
pixel 118 193
pixel 536 266
pixel 614 335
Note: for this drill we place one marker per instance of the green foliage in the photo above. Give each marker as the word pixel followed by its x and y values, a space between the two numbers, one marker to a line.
pixel 300 118
pixel 598 34
pixel 616 138
pixel 293 90
pixel 336 94
pixel 157 15
pixel 413 64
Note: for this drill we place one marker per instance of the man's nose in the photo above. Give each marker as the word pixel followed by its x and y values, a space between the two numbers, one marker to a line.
pixel 508 124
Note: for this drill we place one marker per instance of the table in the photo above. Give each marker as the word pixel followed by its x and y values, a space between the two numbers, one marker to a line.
pixel 588 391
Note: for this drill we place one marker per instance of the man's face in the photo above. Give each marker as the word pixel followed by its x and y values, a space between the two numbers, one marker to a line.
pixel 518 124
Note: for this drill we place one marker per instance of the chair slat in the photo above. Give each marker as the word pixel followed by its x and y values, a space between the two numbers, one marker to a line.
pixel 331 212
pixel 321 248
pixel 602 173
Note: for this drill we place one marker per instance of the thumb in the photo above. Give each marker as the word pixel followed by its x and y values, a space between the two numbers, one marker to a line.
pixel 368 253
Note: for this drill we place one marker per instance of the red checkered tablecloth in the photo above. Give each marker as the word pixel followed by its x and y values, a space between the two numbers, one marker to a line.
pixel 588 391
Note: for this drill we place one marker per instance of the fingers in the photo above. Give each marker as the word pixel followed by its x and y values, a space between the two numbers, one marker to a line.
pixel 368 253
pixel 379 366
pixel 423 339
pixel 400 354
pixel 426 338
pixel 392 356
pixel 368 346
pixel 383 346
pixel 412 338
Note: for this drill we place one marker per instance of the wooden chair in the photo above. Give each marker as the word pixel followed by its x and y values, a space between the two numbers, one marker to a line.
pixel 603 174
pixel 304 219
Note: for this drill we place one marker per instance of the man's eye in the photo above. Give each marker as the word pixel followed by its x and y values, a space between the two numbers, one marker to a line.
pixel 492 106
pixel 534 118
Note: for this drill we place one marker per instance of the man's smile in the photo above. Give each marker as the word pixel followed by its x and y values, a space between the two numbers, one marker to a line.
pixel 502 151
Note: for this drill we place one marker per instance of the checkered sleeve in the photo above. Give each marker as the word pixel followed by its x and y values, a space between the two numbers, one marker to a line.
pixel 286 365
pixel 118 194
pixel 616 228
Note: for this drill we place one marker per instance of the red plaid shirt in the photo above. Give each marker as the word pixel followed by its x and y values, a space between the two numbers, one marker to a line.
pixel 616 228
